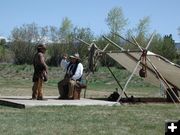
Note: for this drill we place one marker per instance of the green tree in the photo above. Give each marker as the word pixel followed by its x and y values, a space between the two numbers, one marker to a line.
pixel 23 52
pixel 157 44
pixel 24 39
pixel 116 20
pixel 55 52
pixel 65 30
pixel 129 35
pixel 2 49
pixel 53 34
pixel 30 33
pixel 169 49
pixel 61 39
pixel 26 33
pixel 85 34
pixel 142 31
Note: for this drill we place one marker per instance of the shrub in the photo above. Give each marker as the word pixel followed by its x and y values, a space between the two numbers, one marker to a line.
pixel 23 52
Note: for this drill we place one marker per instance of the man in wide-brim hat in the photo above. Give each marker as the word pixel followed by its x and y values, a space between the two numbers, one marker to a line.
pixel 41 47
pixel 40 72
pixel 75 56
pixel 74 72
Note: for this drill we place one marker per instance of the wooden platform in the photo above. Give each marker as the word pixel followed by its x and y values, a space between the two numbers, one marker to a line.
pixel 26 101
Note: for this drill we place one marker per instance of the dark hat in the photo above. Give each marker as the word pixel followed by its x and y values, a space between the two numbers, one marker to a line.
pixel 41 46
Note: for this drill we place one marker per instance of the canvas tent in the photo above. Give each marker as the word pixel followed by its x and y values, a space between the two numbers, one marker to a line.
pixel 158 70
pixel 169 70
pixel 158 67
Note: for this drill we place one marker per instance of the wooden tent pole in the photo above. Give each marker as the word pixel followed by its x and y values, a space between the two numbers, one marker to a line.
pixel 122 49
pixel 125 87
pixel 82 41
pixel 117 81
pixel 130 77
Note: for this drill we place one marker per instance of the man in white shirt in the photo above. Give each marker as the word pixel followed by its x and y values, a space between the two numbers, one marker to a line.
pixel 74 72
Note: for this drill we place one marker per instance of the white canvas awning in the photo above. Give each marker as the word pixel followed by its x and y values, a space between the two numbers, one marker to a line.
pixel 169 70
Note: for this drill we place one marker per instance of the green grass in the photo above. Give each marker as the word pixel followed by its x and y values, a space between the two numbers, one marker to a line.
pixel 128 119
pixel 17 80
pixel 141 119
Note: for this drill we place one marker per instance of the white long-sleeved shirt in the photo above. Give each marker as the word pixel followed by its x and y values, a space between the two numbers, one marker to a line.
pixel 79 72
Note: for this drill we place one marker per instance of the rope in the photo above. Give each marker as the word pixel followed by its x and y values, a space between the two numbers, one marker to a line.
pixel 143 71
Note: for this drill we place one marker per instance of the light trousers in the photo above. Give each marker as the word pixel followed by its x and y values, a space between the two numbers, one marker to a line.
pixel 66 88
pixel 37 90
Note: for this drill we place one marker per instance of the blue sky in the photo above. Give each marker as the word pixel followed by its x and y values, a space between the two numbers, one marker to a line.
pixel 164 14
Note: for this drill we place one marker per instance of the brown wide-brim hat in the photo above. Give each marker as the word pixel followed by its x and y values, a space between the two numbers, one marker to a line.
pixel 41 46
pixel 75 56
